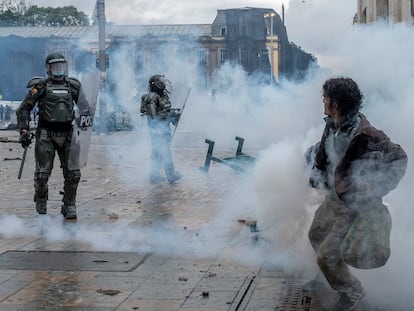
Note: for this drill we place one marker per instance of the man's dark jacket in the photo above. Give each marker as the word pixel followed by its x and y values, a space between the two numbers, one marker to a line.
pixel 371 167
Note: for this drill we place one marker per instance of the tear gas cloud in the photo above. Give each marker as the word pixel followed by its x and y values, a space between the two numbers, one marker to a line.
pixel 279 123
pixel 282 122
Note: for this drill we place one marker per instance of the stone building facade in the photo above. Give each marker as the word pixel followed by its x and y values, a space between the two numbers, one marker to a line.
pixel 393 11
pixel 254 38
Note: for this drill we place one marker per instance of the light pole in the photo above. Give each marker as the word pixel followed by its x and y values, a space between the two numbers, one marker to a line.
pixel 271 15
pixel 102 64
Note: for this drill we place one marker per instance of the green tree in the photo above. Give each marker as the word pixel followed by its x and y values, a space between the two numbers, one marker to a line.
pixel 6 5
pixel 10 19
pixel 22 15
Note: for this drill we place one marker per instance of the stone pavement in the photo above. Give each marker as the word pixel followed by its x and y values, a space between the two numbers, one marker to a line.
pixel 135 246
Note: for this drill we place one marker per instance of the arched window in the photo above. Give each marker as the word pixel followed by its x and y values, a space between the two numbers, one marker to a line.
pixel 382 10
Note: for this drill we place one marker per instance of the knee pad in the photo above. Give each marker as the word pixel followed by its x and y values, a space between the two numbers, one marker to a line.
pixel 73 177
pixel 40 184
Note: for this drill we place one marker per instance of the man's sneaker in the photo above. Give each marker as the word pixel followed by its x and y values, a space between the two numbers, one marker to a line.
pixel 349 300
pixel 174 177
pixel 317 284
pixel 313 286
pixel 69 211
pixel 41 206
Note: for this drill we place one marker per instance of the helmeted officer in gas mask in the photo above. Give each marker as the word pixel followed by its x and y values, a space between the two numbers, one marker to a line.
pixel 156 105
pixel 55 97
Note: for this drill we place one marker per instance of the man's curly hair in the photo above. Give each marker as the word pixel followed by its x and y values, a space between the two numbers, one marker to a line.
pixel 345 93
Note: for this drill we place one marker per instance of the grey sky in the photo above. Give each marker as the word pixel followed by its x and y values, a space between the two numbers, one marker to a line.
pixel 161 11
pixel 182 11
pixel 312 24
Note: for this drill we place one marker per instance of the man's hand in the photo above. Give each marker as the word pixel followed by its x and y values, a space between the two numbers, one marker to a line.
pixel 25 139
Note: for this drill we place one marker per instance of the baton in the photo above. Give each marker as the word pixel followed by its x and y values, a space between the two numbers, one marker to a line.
pixel 22 163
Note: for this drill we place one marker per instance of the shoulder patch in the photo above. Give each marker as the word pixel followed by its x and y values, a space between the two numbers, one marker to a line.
pixel 35 81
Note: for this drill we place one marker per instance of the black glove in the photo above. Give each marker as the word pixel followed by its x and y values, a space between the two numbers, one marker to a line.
pixel 174 116
pixel 25 139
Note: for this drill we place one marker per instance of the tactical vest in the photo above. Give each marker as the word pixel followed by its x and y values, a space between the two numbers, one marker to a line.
pixel 162 106
pixel 146 100
pixel 57 104
pixel 165 104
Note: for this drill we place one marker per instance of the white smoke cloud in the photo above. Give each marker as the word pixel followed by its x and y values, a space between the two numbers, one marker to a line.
pixel 379 58
pixel 280 124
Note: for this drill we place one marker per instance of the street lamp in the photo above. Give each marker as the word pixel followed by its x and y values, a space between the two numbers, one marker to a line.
pixel 103 61
pixel 271 15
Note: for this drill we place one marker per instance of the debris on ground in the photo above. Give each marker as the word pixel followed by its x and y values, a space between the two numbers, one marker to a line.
pixel 109 292
pixel 113 216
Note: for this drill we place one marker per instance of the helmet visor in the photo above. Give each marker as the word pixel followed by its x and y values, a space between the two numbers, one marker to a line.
pixel 58 69
pixel 164 84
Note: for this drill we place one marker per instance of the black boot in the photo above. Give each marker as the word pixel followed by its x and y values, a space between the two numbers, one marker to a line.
pixel 172 178
pixel 154 179
pixel 68 211
pixel 41 206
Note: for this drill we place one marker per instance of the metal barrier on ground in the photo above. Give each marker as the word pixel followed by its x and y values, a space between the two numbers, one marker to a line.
pixel 241 162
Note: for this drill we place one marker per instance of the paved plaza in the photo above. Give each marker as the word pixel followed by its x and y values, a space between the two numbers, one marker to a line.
pixel 135 246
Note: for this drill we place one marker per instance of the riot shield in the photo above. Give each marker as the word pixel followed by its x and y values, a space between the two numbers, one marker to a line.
pixel 179 96
pixel 82 127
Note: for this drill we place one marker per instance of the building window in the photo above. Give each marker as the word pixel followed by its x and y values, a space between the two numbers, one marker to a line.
pixel 223 31
pixel 364 16
pixel 139 60
pixel 244 56
pixel 398 12
pixel 202 78
pixel 382 10
pixel 202 56
pixel 223 56
pixel 158 59
pixel 412 7
pixel 181 52
pixel 262 58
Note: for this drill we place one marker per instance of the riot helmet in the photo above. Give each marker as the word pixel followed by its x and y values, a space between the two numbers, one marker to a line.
pixel 159 83
pixel 56 66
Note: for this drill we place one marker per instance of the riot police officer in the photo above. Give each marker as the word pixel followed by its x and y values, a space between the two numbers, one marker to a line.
pixel 55 97
pixel 157 106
